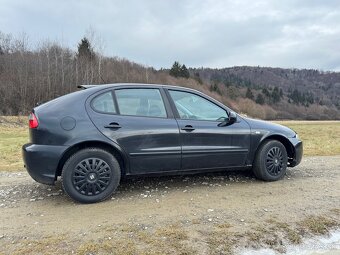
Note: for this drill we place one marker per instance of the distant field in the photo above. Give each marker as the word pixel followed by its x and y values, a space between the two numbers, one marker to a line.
pixel 13 134
pixel 319 137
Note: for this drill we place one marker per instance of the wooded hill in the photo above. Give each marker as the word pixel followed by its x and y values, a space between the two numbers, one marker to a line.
pixel 290 93
pixel 29 76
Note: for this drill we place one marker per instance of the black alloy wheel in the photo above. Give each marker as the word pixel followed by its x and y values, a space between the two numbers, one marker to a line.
pixel 91 175
pixel 274 161
pixel 270 162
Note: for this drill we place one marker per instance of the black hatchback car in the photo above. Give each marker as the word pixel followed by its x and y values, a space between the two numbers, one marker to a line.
pixel 95 136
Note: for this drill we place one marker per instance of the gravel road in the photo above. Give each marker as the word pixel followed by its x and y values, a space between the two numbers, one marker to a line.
pixel 31 211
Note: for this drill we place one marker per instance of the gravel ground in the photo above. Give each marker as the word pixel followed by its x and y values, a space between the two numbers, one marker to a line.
pixel 31 211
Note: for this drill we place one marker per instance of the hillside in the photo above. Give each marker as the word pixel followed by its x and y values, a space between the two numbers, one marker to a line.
pixel 30 76
pixel 287 93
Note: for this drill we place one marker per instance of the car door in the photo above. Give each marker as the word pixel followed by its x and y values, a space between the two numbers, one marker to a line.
pixel 139 122
pixel 205 142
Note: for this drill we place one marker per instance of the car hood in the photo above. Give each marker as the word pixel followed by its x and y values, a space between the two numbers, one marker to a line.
pixel 260 125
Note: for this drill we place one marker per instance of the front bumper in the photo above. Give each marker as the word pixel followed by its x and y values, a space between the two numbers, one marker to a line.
pixel 41 161
pixel 298 152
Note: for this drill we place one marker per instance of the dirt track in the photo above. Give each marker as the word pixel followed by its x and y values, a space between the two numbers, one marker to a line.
pixel 31 211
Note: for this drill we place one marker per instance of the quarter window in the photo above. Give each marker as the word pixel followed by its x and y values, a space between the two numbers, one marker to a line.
pixel 191 106
pixel 104 103
pixel 140 102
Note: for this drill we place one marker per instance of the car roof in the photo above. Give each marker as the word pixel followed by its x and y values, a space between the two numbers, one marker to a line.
pixel 113 85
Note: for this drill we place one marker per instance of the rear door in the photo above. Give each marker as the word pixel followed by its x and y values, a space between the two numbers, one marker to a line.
pixel 205 143
pixel 138 120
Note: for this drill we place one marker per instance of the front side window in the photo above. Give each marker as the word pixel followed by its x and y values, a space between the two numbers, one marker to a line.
pixel 191 106
pixel 104 103
pixel 141 102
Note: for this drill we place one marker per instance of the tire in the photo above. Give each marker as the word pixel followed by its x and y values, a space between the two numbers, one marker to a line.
pixel 270 162
pixel 91 175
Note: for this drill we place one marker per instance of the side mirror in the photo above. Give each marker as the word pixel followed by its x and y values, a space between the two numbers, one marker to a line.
pixel 232 118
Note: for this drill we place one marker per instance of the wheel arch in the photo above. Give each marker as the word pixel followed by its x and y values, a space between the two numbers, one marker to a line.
pixel 114 150
pixel 284 140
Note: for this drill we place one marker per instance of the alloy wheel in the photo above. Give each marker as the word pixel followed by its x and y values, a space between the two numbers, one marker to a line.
pixel 91 176
pixel 274 161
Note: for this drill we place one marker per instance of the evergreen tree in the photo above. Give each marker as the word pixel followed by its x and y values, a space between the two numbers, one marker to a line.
pixel 295 95
pixel 175 70
pixel 266 92
pixel 215 88
pixel 260 99
pixel 310 98
pixel 249 94
pixel 85 49
pixel 184 72
pixel 179 71
pixel 275 95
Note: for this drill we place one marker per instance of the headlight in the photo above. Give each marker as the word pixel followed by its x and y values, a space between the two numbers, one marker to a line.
pixel 296 136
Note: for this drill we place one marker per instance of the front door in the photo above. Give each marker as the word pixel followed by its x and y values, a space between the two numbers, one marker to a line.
pixel 205 143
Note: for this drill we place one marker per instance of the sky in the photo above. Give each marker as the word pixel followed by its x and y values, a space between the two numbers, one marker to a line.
pixel 216 34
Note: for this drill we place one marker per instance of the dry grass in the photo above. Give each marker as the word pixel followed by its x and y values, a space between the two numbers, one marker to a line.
pixel 132 239
pixel 319 137
pixel 129 239
pixel 318 225
pixel 220 241
pixel 291 234
pixel 276 235
pixel 47 245
pixel 13 134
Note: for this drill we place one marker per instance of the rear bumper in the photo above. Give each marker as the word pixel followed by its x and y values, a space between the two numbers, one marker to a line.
pixel 298 149
pixel 41 161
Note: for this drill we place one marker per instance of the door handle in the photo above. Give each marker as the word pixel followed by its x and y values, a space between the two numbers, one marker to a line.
pixel 113 125
pixel 188 128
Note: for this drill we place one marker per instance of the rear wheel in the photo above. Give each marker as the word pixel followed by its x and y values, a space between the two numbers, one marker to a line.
pixel 91 175
pixel 271 161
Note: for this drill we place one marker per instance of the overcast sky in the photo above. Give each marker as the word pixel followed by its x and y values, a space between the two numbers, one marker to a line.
pixel 282 33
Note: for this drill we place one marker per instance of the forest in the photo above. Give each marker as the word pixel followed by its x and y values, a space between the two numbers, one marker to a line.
pixel 31 75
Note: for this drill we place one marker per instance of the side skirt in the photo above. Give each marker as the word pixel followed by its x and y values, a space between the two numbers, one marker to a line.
pixel 191 171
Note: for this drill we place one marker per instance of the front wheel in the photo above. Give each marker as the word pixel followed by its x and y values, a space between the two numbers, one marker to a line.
pixel 270 163
pixel 91 175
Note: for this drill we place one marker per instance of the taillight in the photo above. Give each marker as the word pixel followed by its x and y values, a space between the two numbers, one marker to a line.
pixel 33 121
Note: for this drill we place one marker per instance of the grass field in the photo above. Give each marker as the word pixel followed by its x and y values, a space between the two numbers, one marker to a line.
pixel 319 137
pixel 13 134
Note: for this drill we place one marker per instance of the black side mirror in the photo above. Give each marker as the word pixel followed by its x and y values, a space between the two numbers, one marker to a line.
pixel 232 118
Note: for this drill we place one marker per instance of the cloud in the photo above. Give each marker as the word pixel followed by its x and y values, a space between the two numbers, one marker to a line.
pixel 220 33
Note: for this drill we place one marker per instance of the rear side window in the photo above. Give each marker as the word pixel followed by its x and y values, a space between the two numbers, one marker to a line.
pixel 141 102
pixel 104 103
